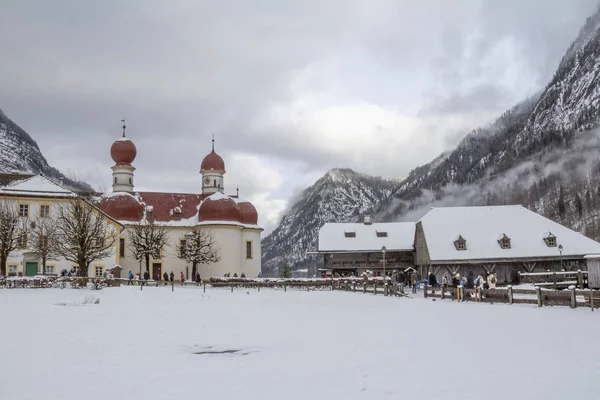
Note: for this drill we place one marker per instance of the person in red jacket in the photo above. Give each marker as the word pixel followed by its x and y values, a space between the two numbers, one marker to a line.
pixel 182 278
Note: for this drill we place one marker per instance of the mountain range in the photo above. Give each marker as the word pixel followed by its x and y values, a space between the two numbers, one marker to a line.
pixel 543 153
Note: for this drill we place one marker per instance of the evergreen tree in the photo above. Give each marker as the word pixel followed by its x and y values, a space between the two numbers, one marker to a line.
pixel 562 209
pixel 578 205
pixel 285 271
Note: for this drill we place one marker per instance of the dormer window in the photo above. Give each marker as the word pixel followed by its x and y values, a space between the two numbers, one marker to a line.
pixel 504 241
pixel 381 234
pixel 149 212
pixel 550 240
pixel 177 212
pixel 460 243
pixel 350 234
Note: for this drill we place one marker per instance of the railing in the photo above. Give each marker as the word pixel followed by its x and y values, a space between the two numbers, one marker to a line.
pixel 541 297
pixel 556 280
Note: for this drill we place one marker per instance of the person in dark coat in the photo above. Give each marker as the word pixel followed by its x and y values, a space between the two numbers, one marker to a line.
pixel 455 280
pixel 171 276
pixel 470 280
pixel 166 277
pixel 432 282
pixel 197 277
pixel 146 278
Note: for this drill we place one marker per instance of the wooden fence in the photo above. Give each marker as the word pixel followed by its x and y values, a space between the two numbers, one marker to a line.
pixel 555 280
pixel 541 297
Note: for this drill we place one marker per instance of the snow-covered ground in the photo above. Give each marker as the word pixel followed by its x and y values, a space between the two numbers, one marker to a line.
pixel 290 345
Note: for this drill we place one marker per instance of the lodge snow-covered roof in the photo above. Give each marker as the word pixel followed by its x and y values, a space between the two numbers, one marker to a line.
pixel 482 227
pixel 400 236
pixel 36 186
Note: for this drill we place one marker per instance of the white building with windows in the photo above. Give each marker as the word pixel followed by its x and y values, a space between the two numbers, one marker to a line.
pixel 503 240
pixel 35 198
pixel 231 221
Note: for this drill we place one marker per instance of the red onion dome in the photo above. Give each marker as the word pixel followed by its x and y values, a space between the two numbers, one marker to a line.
pixel 123 151
pixel 212 162
pixel 249 215
pixel 218 207
pixel 122 207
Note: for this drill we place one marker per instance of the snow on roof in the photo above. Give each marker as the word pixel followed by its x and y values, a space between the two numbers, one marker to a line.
pixel 37 185
pixel 399 236
pixel 219 196
pixel 481 227
pixel 123 139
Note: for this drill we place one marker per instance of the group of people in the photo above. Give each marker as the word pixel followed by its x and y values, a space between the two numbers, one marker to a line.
pixel 134 279
pixel 411 277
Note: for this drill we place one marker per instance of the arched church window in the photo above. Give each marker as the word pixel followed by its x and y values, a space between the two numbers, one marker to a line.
pixel 130 181
pixel 215 184
pixel 115 179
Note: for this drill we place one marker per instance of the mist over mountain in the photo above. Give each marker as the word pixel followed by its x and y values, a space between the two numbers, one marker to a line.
pixel 543 153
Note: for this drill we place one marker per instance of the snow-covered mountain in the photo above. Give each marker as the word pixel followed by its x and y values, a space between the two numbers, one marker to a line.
pixel 341 195
pixel 19 153
pixel 543 153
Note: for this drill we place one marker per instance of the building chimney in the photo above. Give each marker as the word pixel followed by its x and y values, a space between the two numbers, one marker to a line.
pixel 367 220
pixel 61 181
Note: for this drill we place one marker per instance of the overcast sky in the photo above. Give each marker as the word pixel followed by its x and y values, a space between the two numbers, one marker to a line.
pixel 290 88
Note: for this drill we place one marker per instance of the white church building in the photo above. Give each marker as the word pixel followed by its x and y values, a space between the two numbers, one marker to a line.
pixel 232 222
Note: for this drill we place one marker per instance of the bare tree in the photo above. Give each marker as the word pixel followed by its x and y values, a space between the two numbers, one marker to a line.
pixel 199 248
pixel 146 241
pixel 84 234
pixel 44 240
pixel 12 227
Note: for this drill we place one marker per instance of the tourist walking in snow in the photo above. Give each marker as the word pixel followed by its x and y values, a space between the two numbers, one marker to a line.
pixel 182 277
pixel 491 281
pixel 172 276
pixel 146 278
pixel 414 281
pixel 470 280
pixel 432 282
pixel 166 277
pixel 401 281
pixel 445 281
pixel 456 280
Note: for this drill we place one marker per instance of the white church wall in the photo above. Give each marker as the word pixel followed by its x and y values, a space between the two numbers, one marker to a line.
pixel 251 266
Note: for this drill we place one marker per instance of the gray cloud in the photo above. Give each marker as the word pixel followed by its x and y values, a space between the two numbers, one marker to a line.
pixel 301 86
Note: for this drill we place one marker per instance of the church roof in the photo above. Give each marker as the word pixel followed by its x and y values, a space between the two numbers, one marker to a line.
pixel 482 227
pixel 360 237
pixel 170 209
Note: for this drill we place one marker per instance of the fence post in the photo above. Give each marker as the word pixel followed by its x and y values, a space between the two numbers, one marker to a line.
pixel 231 288
pixel 386 289
pixel 259 287
pixel 354 286
pixel 204 284
pixel 285 287
pixel 554 280
pixel 510 294
pixel 442 293
pixel 573 297
pixel 425 290
pixel 375 288
pixel 364 287
pixel 172 286
pixel 539 296
pixel 592 299
pixel 580 279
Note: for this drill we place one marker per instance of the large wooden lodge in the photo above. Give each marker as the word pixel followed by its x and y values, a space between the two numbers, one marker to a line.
pixel 503 240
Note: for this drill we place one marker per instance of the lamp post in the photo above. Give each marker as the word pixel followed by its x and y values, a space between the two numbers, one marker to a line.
pixel 560 250
pixel 383 250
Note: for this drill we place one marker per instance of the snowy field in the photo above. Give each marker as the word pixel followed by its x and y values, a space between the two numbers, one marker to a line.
pixel 155 344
